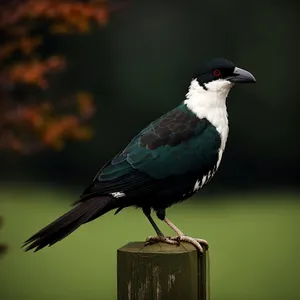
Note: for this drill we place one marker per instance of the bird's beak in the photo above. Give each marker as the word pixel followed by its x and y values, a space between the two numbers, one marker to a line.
pixel 241 76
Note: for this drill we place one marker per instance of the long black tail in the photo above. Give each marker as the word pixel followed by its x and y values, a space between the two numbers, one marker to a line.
pixel 82 213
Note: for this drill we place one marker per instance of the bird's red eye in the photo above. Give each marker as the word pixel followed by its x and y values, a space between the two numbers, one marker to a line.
pixel 217 73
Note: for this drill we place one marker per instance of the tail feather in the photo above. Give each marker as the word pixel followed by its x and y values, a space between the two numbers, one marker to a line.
pixel 67 223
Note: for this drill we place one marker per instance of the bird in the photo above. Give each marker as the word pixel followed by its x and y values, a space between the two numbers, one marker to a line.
pixel 169 161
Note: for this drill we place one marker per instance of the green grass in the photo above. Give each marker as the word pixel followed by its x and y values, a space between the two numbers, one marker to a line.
pixel 254 247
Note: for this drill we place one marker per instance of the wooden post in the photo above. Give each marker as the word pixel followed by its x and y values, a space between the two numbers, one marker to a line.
pixel 162 272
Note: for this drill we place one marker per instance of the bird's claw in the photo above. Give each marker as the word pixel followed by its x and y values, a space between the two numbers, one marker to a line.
pixel 157 239
pixel 177 239
pixel 194 241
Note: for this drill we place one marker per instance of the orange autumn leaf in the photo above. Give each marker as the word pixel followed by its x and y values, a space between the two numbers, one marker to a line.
pixel 82 133
pixel 59 129
pixel 35 72
pixel 85 105
pixel 28 44
pixel 52 9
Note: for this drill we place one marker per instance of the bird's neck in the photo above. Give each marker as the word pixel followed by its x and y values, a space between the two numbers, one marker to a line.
pixel 210 103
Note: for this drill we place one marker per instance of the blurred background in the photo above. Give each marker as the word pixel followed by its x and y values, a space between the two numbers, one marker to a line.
pixel 78 79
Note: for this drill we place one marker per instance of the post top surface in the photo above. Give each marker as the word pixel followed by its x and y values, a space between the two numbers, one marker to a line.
pixel 157 248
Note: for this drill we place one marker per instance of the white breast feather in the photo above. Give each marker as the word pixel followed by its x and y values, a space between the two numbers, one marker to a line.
pixel 210 104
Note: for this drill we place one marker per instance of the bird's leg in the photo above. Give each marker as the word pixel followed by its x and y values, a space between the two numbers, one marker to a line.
pixel 147 213
pixel 160 236
pixel 161 214
pixel 182 237
pixel 169 223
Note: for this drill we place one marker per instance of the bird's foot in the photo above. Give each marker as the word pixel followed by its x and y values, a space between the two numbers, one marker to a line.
pixel 198 243
pixel 162 239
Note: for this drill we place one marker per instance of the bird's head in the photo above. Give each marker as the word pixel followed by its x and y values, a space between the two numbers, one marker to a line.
pixel 221 73
pixel 213 81
pixel 211 84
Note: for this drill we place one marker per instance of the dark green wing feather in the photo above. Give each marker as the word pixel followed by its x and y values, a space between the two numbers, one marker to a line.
pixel 176 144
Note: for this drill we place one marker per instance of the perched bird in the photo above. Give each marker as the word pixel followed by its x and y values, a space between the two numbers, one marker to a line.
pixel 167 162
